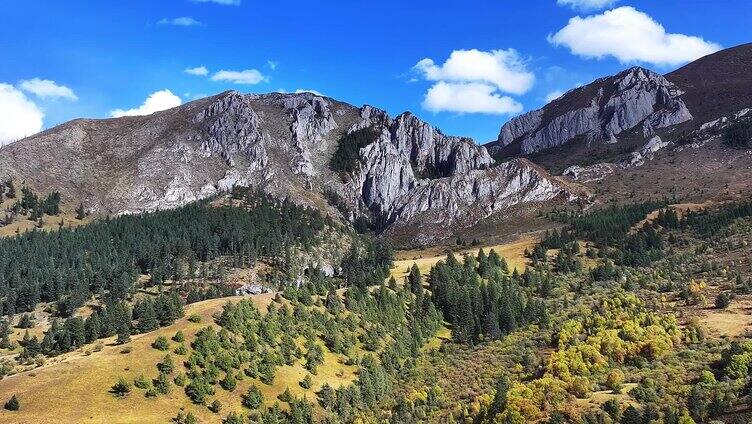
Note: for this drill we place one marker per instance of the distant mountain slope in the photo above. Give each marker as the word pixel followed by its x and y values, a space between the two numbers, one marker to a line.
pixel 599 112
pixel 404 172
pixel 633 106
pixel 718 84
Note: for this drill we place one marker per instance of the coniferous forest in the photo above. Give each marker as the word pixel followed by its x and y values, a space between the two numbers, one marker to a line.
pixel 603 325
pixel 107 257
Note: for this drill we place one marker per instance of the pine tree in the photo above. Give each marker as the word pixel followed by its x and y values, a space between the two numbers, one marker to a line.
pixel 253 398
pixel 93 327
pixel 147 318
pixel 499 402
pixel 123 334
pixel 415 279
pixel 80 212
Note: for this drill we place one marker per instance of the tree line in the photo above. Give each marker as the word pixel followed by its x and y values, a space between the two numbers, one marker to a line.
pixel 107 256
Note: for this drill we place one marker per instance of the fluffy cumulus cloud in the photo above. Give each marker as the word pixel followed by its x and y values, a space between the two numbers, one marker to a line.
pixel 19 116
pixel 468 97
pixel 473 81
pixel 199 70
pixel 501 68
pixel 247 77
pixel 184 21
pixel 586 5
pixel 630 36
pixel 159 100
pixel 222 2
pixel 47 89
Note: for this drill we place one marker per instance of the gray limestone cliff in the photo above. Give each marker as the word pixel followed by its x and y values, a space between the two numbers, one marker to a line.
pixel 599 112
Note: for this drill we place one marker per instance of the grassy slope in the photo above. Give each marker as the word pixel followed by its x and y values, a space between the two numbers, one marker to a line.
pixel 22 223
pixel 513 253
pixel 76 390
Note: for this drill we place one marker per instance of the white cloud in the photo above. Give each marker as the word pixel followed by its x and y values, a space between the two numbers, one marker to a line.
pixel 630 36
pixel 248 76
pixel 502 68
pixel 159 100
pixel 184 21
pixel 554 95
pixel 468 97
pixel 47 89
pixel 272 64
pixel 473 81
pixel 587 5
pixel 199 70
pixel 222 2
pixel 19 116
pixel 300 90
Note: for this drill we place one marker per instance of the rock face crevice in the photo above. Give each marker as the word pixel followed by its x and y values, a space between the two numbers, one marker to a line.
pixel 600 112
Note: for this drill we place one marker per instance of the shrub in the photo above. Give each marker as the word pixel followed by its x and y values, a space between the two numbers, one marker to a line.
pixel 615 380
pixel 12 404
pixel 723 300
pixel 161 343
pixel 194 318
pixel 121 388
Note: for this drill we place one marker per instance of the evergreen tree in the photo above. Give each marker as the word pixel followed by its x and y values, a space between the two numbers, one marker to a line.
pixel 415 280
pixel 253 398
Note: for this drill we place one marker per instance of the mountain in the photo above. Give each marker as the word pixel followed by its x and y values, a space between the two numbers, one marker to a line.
pixel 632 107
pixel 396 172
pixel 718 84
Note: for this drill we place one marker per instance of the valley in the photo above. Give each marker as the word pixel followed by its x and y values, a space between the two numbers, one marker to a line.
pixel 292 258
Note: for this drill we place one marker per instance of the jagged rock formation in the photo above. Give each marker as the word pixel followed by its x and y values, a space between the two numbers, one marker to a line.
pixel 407 146
pixel 599 112
pixel 282 144
pixel 487 190
pixel 231 126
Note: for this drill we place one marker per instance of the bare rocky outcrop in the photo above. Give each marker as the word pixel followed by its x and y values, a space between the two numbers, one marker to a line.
pixel 405 151
pixel 591 173
pixel 231 126
pixel 600 112
pixel 486 191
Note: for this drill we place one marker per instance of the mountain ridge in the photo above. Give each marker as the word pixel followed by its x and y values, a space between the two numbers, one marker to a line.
pixel 282 144
pixel 634 105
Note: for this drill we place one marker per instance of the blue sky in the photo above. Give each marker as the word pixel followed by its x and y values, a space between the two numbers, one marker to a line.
pixel 112 55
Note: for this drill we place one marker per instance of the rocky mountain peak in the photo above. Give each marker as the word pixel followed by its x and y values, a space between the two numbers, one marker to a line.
pixel 599 112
